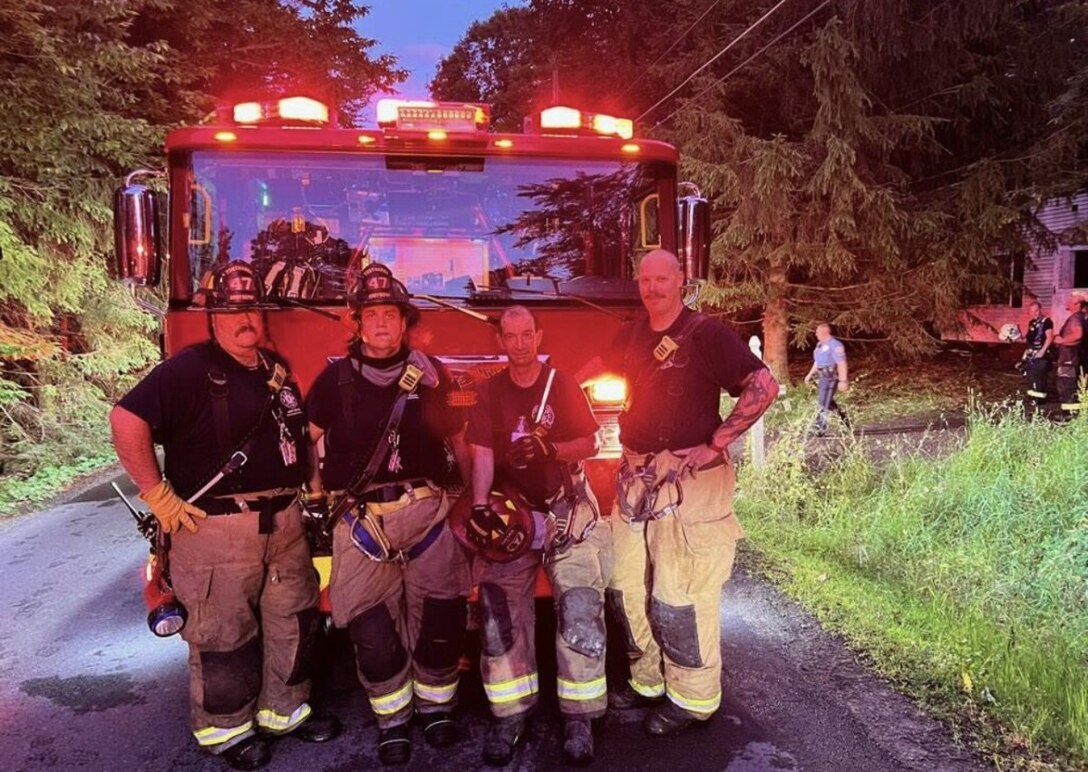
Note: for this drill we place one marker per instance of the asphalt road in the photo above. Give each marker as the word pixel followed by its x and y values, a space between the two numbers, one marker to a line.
pixel 85 686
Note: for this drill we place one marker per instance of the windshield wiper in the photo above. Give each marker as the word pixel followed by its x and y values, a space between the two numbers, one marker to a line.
pixel 467 311
pixel 555 293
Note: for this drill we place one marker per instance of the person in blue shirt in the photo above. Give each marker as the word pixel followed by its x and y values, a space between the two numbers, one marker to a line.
pixel 830 370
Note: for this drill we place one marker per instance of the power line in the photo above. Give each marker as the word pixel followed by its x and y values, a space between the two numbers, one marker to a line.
pixel 736 69
pixel 675 43
pixel 713 59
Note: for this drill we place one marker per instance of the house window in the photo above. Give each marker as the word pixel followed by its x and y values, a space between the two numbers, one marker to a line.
pixel 1080 267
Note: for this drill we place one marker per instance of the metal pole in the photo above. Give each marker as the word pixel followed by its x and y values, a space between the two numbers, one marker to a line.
pixel 756 448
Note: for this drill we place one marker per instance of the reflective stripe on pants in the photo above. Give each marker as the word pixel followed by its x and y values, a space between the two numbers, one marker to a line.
pixel 680 563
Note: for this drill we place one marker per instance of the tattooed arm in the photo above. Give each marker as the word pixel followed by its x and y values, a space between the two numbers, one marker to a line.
pixel 759 388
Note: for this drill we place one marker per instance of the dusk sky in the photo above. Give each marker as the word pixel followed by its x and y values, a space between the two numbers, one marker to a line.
pixel 420 32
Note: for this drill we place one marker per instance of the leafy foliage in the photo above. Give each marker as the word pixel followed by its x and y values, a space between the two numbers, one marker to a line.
pixel 967 587
pixel 90 89
pixel 869 163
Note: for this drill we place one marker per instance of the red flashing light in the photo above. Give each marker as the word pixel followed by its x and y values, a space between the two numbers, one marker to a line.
pixel 567 120
pixel 560 117
pixel 303 109
pixel 289 110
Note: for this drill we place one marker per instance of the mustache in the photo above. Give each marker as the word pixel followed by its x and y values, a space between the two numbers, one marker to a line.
pixel 245 328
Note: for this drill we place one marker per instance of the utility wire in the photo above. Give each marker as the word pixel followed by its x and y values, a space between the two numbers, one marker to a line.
pixel 668 50
pixel 713 59
pixel 736 69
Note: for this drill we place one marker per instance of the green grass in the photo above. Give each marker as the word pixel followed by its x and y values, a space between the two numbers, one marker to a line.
pixel 19 492
pixel 966 577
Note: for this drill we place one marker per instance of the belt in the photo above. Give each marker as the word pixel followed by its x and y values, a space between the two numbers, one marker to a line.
pixel 827 370
pixel 369 547
pixel 265 507
pixel 383 494
pixel 226 506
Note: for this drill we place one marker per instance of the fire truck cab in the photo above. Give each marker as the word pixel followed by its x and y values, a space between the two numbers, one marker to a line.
pixel 471 220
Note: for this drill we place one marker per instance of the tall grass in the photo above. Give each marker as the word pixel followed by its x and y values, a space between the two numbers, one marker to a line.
pixel 965 576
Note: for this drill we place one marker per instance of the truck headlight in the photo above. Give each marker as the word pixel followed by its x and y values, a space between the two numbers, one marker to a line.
pixel 608 391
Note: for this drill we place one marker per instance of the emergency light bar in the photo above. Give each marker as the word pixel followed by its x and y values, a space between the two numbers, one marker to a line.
pixel 432 116
pixel 287 110
pixel 562 120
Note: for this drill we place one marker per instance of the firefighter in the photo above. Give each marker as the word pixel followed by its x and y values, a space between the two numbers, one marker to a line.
pixel 238 554
pixel 1070 342
pixel 830 370
pixel 531 428
pixel 1036 362
pixel 400 580
pixel 673 529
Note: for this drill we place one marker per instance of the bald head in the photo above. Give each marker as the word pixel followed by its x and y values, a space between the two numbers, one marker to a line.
pixel 660 285
pixel 517 312
pixel 660 260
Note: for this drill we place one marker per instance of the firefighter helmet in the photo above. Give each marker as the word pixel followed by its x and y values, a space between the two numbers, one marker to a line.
pixel 506 536
pixel 233 286
pixel 376 286
pixel 1009 333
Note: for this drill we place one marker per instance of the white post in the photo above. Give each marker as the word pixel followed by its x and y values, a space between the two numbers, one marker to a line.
pixel 756 433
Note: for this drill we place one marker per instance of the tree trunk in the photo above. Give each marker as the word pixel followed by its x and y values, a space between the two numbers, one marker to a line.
pixel 776 324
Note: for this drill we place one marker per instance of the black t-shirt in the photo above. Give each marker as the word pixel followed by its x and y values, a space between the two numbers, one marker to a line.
pixel 175 399
pixel 420 449
pixel 1037 329
pixel 501 403
pixel 710 358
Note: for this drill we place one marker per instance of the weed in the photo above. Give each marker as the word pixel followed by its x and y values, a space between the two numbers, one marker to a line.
pixel 966 577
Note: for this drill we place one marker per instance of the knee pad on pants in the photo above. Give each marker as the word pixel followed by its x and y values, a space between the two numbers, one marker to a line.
pixel 232 679
pixel 497 626
pixel 676 633
pixel 614 602
pixel 309 623
pixel 580 624
pixel 378 650
pixel 441 633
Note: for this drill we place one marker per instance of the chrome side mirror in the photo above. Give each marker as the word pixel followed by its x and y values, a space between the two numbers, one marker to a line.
pixel 138 248
pixel 693 237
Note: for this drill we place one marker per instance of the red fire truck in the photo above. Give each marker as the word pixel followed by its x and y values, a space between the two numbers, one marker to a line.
pixel 472 221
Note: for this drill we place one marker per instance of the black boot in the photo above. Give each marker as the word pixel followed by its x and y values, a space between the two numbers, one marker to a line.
pixel 394 745
pixel 317 728
pixel 439 730
pixel 503 739
pixel 577 741
pixel 250 753
pixel 626 698
pixel 669 718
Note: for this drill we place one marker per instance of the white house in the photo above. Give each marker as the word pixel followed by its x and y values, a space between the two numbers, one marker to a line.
pixel 1049 274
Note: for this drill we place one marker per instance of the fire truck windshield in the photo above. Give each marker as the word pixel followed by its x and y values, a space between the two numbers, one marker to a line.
pixel 456 227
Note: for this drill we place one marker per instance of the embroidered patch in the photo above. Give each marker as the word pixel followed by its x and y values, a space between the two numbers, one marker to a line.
pixel 548 419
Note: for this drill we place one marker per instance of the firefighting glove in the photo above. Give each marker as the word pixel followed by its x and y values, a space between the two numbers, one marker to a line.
pixel 532 447
pixel 170 509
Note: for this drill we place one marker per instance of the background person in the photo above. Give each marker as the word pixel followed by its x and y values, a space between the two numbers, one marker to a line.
pixel 1070 342
pixel 244 572
pixel 1036 360
pixel 830 370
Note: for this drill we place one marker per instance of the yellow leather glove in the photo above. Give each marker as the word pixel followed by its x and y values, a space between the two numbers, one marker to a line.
pixel 171 510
